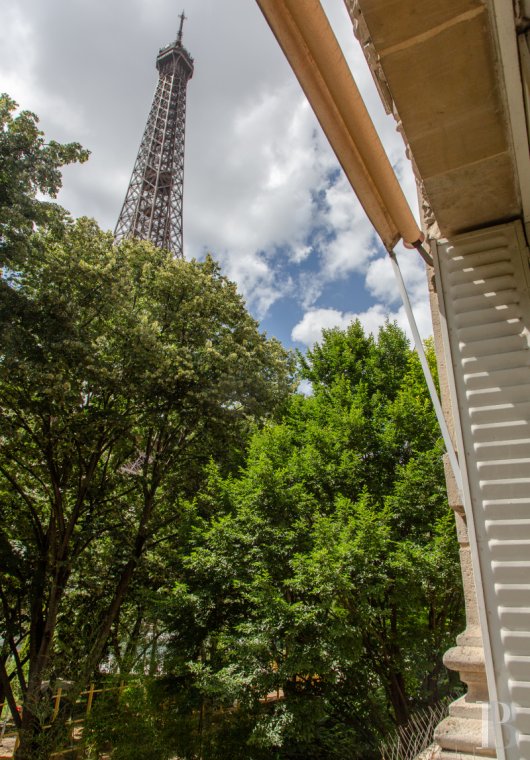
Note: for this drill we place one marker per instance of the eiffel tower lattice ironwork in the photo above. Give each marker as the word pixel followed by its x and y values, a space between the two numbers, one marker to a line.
pixel 152 209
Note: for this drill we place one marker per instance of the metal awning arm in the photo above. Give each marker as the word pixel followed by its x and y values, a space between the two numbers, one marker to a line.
pixel 453 459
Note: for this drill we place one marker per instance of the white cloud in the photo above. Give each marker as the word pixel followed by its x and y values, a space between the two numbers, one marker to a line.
pixel 258 280
pixel 380 280
pixel 299 253
pixel 257 175
pixel 422 315
pixel 17 43
pixel 354 242
pixel 309 330
pixel 262 200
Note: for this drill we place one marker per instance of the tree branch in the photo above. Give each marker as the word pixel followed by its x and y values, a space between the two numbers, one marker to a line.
pixel 35 517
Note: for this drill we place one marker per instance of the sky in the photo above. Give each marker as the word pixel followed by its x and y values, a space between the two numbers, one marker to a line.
pixel 263 192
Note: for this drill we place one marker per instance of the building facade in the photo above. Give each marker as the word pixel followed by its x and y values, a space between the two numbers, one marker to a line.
pixel 455 75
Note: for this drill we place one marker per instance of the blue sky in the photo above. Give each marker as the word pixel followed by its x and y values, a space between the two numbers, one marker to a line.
pixel 263 191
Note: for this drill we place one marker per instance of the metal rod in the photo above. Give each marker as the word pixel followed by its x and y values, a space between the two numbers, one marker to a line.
pixel 427 372
pixel 424 253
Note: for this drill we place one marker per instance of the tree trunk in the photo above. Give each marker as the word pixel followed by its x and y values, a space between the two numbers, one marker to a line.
pixel 31 737
pixel 397 694
pixel 36 742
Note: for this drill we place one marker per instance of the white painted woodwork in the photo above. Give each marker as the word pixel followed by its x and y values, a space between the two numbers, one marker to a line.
pixel 483 280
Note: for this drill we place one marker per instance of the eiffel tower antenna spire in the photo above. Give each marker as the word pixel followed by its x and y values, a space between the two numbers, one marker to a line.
pixel 182 20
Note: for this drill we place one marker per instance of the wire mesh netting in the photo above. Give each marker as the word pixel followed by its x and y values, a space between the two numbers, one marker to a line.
pixel 416 738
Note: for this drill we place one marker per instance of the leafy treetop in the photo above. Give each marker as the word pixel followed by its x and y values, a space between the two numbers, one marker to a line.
pixel 28 165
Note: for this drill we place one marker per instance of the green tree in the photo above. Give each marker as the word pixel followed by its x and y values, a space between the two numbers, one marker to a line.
pixel 28 165
pixel 123 375
pixel 319 574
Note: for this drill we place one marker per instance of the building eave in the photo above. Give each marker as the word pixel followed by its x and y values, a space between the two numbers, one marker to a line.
pixel 445 71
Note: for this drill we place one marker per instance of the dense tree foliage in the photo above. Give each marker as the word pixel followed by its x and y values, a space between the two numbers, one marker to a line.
pixel 123 375
pixel 328 568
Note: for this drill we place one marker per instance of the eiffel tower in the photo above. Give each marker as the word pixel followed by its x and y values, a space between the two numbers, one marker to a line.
pixel 152 209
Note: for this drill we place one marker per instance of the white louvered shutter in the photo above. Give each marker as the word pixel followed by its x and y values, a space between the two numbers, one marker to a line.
pixel 484 278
